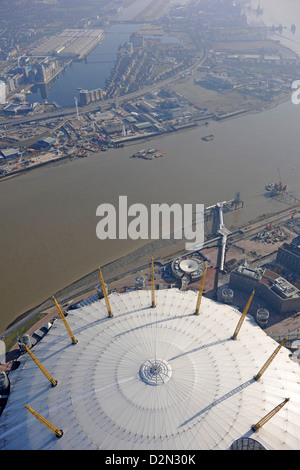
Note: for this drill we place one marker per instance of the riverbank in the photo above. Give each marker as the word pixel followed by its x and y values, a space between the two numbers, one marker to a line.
pixel 234 114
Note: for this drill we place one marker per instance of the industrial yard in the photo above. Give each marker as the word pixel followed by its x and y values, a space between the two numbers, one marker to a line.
pixel 158 113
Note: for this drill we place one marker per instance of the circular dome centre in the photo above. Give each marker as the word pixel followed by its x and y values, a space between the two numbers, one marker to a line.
pixel 155 372
pixel 189 265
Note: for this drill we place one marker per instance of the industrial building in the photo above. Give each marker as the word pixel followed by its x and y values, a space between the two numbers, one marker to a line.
pixel 141 370
pixel 70 43
pixel 2 92
pixel 86 96
pixel 272 288
pixel 189 267
pixel 47 70
pixel 137 41
pixel 144 126
pixel 45 142
pixel 9 153
pixel 288 255
pixel 14 109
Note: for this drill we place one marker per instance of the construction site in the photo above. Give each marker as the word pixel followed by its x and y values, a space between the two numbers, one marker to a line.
pixel 78 133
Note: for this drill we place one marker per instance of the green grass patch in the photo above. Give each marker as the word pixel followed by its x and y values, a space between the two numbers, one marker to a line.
pixel 11 339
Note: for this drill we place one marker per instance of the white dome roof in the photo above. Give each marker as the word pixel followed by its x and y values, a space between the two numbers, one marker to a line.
pixel 153 378
pixel 189 265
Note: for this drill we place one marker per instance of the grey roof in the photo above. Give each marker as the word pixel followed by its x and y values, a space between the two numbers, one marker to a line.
pixel 9 152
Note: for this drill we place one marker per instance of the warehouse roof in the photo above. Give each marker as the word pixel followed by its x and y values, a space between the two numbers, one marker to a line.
pixel 9 152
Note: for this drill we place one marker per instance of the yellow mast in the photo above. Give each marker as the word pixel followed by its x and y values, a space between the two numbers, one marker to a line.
pixel 152 283
pixel 42 368
pixel 55 430
pixel 74 340
pixel 105 294
pixel 242 318
pixel 268 362
pixel 201 291
pixel 266 418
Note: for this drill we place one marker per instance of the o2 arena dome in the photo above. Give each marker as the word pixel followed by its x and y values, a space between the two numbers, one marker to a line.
pixel 154 378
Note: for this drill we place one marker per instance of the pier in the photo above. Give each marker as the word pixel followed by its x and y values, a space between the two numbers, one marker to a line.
pixel 224 232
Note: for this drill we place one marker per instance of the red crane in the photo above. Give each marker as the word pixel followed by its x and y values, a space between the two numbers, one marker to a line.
pixel 279 186
pixel 19 161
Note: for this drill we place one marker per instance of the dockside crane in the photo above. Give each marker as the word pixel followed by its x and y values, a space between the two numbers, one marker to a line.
pixel 280 187
pixel 19 161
